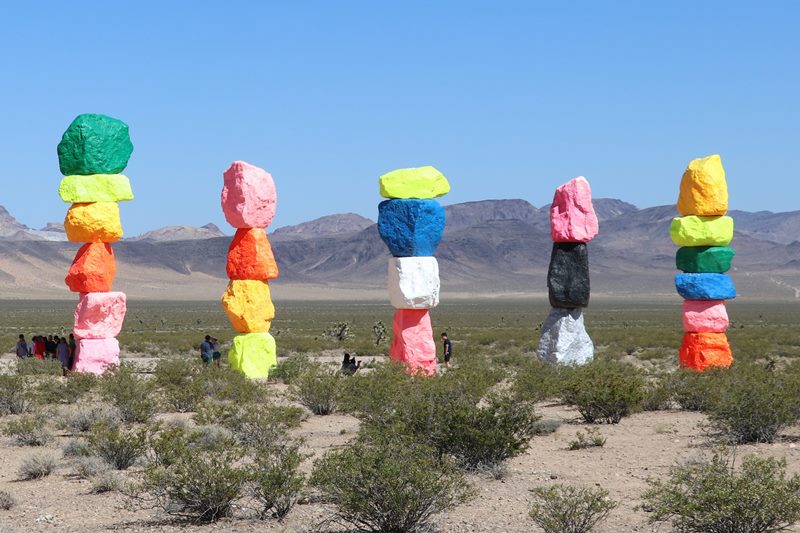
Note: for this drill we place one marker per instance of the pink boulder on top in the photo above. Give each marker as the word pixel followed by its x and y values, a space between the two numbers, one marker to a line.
pixel 99 315
pixel 413 343
pixel 95 355
pixel 248 196
pixel 572 216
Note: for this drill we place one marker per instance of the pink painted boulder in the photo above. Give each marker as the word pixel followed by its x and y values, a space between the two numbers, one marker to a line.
pixel 705 316
pixel 572 216
pixel 95 355
pixel 248 196
pixel 99 315
pixel 412 343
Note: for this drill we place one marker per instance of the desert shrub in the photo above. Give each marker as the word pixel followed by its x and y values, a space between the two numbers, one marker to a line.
pixel 14 397
pixel 88 467
pixel 29 430
pixel 37 466
pixel 536 380
pixel 339 331
pixel 38 367
pixel 756 405
pixel 182 384
pixel 118 446
pixel 275 477
pixel 694 390
pixel 592 438
pixel 657 396
pixel 251 424
pixel 224 383
pixel 710 496
pixel 76 448
pixel 318 388
pixel 7 501
pixel 290 368
pixel 81 419
pixel 604 391
pixel 390 484
pixel 569 509
pixel 105 481
pixel 65 390
pixel 369 396
pixel 546 427
pixel 175 371
pixel 132 395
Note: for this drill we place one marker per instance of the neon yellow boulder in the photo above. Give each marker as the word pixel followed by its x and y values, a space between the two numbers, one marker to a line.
pixel 422 183
pixel 701 231
pixel 253 354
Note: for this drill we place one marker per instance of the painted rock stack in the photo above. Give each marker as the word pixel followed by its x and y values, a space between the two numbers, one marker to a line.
pixel 703 232
pixel 91 155
pixel 248 201
pixel 573 223
pixel 411 223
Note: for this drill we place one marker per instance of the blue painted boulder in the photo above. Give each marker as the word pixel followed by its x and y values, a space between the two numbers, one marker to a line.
pixel 411 228
pixel 705 286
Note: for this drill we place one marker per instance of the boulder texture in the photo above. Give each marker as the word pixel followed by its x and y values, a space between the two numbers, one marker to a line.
pixel 411 227
pixel 99 315
pixel 422 182
pixel 568 275
pixel 704 190
pixel 253 354
pixel 705 316
pixel 572 216
pixel 93 222
pixel 78 189
pixel 250 256
pixel 95 355
pixel 413 282
pixel 564 338
pixel 248 196
pixel 412 341
pixel 701 231
pixel 94 144
pixel 700 351
pixel 93 269
pixel 705 286
pixel 704 259
pixel 249 306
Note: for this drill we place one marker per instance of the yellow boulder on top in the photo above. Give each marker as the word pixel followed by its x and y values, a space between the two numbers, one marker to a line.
pixel 93 222
pixel 704 191
pixel 253 354
pixel 421 183
pixel 249 306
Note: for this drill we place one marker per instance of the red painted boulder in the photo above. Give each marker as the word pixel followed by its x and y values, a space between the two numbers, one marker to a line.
pixel 250 256
pixel 95 355
pixel 572 216
pixel 700 351
pixel 99 315
pixel 93 269
pixel 248 196
pixel 705 316
pixel 412 342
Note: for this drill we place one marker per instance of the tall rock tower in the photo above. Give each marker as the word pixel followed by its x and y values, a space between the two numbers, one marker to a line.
pixel 704 232
pixel 411 224
pixel 92 154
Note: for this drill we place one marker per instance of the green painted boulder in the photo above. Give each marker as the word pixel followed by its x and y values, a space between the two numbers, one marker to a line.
pixel 693 230
pixel 420 183
pixel 253 354
pixel 94 144
pixel 704 259
pixel 95 188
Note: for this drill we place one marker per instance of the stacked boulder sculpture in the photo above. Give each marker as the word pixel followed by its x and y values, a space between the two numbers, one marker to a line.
pixel 704 232
pixel 248 201
pixel 92 154
pixel 411 223
pixel 573 223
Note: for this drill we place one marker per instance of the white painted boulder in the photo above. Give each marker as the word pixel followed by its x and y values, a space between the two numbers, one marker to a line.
pixel 413 282
pixel 564 338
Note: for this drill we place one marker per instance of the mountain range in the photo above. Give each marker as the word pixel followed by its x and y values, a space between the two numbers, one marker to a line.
pixel 490 248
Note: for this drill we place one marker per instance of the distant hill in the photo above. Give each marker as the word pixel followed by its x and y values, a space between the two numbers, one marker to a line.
pixel 180 233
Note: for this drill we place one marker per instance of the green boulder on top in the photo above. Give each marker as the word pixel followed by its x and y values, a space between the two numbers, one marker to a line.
pixel 704 259
pixel 94 144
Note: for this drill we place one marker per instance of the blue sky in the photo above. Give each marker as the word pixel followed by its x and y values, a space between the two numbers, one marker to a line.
pixel 508 99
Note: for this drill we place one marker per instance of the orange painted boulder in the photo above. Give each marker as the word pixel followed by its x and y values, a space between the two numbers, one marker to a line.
pixel 700 351
pixel 250 256
pixel 94 222
pixel 93 269
pixel 249 306
pixel 412 341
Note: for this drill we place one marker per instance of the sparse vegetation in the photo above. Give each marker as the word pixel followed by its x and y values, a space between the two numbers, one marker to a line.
pixel 37 466
pixel 119 446
pixel 276 479
pixel 604 391
pixel 590 439
pixel 7 501
pixel 568 509
pixel 133 396
pixel 29 430
pixel 318 388
pixel 14 397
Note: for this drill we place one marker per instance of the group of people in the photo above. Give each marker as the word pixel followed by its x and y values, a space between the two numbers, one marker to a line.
pixel 48 347
pixel 209 350
pixel 350 366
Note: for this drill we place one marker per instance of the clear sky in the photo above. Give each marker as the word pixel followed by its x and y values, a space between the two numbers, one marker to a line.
pixel 507 99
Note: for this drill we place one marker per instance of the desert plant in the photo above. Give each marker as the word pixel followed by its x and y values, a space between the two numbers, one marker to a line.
pixel 379 332
pixel 604 391
pixel 37 466
pixel 592 438
pixel 118 446
pixel 225 383
pixel 318 388
pixel 388 485
pixel 536 380
pixel 14 397
pixel 290 368
pixel 546 427
pixel 105 481
pixel 65 390
pixel 657 396
pixel 76 448
pixel 132 395
pixel 251 424
pixel 339 331
pixel 88 467
pixel 181 382
pixel 7 501
pixel 710 496
pixel 275 477
pixel 83 418
pixel 38 367
pixel 694 390
pixel 569 509
pixel 29 430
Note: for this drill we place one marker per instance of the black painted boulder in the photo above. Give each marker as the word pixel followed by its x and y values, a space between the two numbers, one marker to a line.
pixel 568 275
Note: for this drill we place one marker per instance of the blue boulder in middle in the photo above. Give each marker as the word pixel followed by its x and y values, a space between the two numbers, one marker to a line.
pixel 411 228
pixel 707 286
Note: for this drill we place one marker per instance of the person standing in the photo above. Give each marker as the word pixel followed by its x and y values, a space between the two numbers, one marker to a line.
pixel 62 353
pixel 22 347
pixel 216 355
pixel 206 350
pixel 72 348
pixel 448 349
pixel 39 347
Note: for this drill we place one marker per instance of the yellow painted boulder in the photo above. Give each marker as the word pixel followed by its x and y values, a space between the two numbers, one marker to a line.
pixel 93 222
pixel 422 183
pixel 704 191
pixel 253 354
pixel 701 231
pixel 249 306
pixel 95 188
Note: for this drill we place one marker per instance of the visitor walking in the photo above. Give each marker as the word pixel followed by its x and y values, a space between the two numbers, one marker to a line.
pixel 215 353
pixel 62 353
pixel 448 349
pixel 206 350
pixel 22 348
